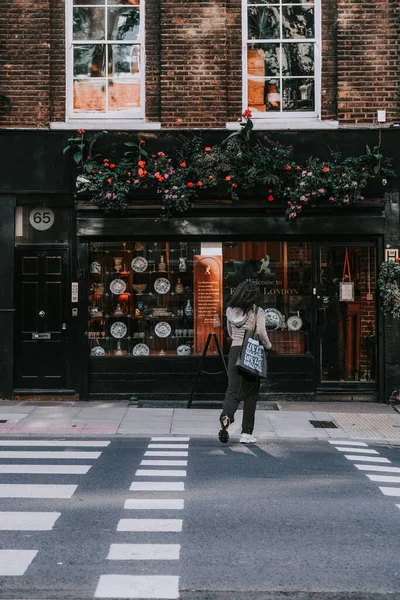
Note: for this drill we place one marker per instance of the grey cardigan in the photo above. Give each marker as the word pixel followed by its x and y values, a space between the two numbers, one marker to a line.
pixel 238 322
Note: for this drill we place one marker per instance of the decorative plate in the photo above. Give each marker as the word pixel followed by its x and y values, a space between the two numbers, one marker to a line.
pixel 294 323
pixel 139 264
pixel 162 285
pixel 162 329
pixel 117 286
pixel 141 350
pixel 95 267
pixel 97 351
pixel 118 329
pixel 183 350
pixel 273 319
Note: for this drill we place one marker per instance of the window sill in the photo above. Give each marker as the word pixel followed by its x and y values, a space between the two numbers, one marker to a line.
pixel 106 124
pixel 279 124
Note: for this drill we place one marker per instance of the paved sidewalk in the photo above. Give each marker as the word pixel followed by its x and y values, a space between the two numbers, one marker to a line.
pixel 354 420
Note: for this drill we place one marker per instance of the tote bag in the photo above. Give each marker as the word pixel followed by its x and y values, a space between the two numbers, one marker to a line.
pixel 252 359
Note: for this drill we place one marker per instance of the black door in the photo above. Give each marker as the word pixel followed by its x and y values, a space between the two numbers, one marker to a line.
pixel 41 346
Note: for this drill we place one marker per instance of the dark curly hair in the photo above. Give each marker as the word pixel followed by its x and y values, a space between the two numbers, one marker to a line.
pixel 246 295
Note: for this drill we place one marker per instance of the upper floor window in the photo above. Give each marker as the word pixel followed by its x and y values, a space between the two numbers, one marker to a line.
pixel 281 61
pixel 106 58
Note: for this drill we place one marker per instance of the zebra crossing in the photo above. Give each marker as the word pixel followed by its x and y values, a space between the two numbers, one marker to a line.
pixel 14 562
pixel 157 497
pixel 361 454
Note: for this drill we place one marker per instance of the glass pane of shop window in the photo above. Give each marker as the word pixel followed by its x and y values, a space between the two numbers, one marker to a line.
pixel 123 2
pixel 264 95
pixel 88 23
pixel 297 22
pixel 124 60
pixel 89 60
pixel 89 95
pixel 123 23
pixel 263 60
pixel 89 2
pixel 298 59
pixel 263 2
pixel 298 95
pixel 263 23
pixel 123 94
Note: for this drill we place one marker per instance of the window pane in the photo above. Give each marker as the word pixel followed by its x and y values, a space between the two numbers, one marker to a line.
pixel 264 95
pixel 91 2
pixel 136 2
pixel 263 2
pixel 123 95
pixel 124 60
pixel 89 95
pixel 123 23
pixel 298 94
pixel 263 60
pixel 89 60
pixel 297 22
pixel 88 24
pixel 298 59
pixel 263 23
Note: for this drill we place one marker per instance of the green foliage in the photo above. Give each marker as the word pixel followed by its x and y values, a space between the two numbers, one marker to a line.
pixel 389 288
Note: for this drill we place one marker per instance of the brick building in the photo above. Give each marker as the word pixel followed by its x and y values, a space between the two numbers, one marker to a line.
pixel 320 75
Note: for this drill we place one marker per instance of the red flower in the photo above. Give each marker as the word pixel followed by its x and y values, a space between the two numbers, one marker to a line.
pixel 106 160
pixel 109 180
pixel 128 181
pixel 270 198
pixel 397 259
pixel 183 165
pixel 142 163
pixel 234 184
pixel 112 166
pixel 207 149
pixel 81 131
pixel 199 183
pixel 326 170
pixel 247 114
pixel 136 181
pixel 190 184
pixel 288 168
pixel 228 178
pixel 211 177
pixel 142 141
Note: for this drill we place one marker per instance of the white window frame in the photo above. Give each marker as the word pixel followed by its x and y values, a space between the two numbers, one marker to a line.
pixel 89 117
pixel 284 115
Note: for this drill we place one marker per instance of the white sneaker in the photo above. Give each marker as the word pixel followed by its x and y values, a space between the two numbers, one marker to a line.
pixel 247 438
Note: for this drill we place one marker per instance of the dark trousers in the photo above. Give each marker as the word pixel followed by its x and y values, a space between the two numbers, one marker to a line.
pixel 240 387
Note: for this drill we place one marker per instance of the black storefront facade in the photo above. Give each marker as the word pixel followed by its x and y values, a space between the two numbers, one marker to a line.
pixel 97 306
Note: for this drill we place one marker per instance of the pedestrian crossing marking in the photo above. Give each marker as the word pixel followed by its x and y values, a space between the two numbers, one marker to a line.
pixel 347 443
pixel 165 453
pixel 174 525
pixel 22 490
pixel 170 439
pixel 384 478
pixel 390 491
pixel 154 504
pixel 367 458
pixel 368 451
pixel 162 446
pixel 27 521
pixel 157 486
pixel 46 469
pixel 47 454
pixel 15 562
pixel 378 468
pixel 164 463
pixel 144 552
pixel 160 473
pixel 54 443
pixel 141 586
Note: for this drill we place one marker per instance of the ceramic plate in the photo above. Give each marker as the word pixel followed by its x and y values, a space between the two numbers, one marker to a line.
pixel 294 323
pixel 183 350
pixel 162 285
pixel 273 319
pixel 117 286
pixel 162 329
pixel 118 329
pixel 141 350
pixel 95 267
pixel 97 351
pixel 139 264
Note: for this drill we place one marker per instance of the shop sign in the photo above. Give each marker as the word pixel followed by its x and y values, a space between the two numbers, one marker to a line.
pixel 41 218
pixel 207 300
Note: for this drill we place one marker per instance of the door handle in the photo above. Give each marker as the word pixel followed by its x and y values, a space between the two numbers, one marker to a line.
pixel 42 314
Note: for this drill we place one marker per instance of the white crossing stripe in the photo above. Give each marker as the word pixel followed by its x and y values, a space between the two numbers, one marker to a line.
pixel 165 453
pixel 154 503
pixel 141 586
pixel 55 443
pixel 390 491
pixel 170 439
pixel 46 469
pixel 368 451
pixel 150 525
pixel 164 463
pixel 378 468
pixel 366 458
pixel 19 490
pixel 384 478
pixel 347 443
pixel 177 446
pixel 28 521
pixel 157 486
pixel 144 552
pixel 47 454
pixel 398 505
pixel 15 562
pixel 160 473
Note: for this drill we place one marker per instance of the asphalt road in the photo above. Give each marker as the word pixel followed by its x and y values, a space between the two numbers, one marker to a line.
pixel 283 519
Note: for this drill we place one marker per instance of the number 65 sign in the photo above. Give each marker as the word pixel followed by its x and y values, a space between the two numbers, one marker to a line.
pixel 41 218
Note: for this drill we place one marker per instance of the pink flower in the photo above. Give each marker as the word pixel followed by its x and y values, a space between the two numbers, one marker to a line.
pixel 346 201
pixel 313 193
pixel 302 198
pixel 331 198
pixel 302 183
pixel 166 176
pixel 355 183
pixel 321 191
pixel 108 195
pixel 309 173
pixel 303 173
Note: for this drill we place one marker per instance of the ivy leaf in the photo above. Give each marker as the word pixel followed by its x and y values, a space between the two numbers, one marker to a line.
pixel 78 157
pixel 131 144
pixel 66 149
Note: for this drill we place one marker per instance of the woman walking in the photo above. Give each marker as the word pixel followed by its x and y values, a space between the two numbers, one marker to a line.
pixel 242 313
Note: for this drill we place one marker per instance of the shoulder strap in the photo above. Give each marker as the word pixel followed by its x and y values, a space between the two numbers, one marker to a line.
pixel 255 319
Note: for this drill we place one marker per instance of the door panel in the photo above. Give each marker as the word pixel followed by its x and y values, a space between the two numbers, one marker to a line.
pixel 41 309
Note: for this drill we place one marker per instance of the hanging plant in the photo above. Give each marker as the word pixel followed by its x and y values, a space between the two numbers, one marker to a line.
pixel 389 288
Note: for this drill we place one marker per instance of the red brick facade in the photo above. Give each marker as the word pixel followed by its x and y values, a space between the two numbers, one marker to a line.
pixel 194 62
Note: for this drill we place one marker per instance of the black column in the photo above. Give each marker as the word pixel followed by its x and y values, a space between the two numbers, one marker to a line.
pixel 7 232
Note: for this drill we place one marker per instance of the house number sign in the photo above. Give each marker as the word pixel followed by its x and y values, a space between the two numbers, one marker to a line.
pixel 41 218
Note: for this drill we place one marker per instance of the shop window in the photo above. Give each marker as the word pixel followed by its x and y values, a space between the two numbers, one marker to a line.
pixel 283 272
pixel 282 61
pixel 41 225
pixel 106 58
